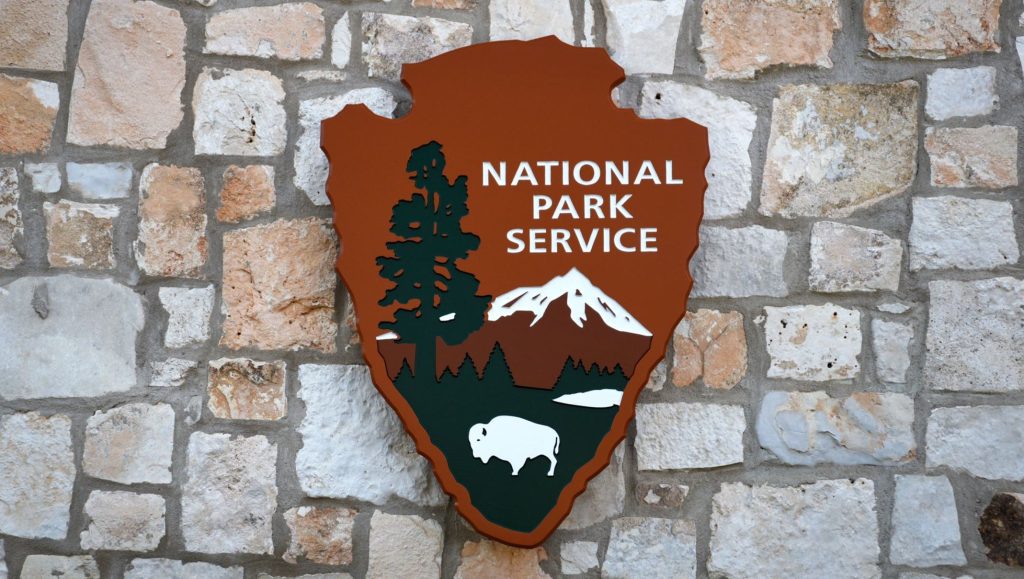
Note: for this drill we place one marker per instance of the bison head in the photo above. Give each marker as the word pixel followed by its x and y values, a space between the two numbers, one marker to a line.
pixel 478 441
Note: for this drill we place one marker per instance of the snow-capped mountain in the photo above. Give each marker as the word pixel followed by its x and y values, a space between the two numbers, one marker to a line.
pixel 579 293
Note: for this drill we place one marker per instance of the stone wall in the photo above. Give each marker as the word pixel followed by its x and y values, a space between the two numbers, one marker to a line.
pixel 180 388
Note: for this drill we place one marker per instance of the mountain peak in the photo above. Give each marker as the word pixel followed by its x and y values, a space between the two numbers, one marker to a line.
pixel 580 293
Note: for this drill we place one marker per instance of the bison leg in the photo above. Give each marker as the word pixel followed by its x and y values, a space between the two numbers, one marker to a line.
pixel 551 469
pixel 516 466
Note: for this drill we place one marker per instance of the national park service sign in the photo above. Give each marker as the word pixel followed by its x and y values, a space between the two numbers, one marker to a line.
pixel 516 249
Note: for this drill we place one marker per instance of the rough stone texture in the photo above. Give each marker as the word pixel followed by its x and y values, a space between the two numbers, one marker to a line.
pixel 11 225
pixel 172 222
pixel 958 233
pixel 130 444
pixel 1002 529
pixel 44 177
pixel 683 435
pixel 838 148
pixel 763 531
pixel 51 324
pixel 230 494
pixel 245 389
pixel 739 262
pixel 353 445
pixel 121 521
pixel 247 192
pixel 188 315
pixel 664 495
pixel 80 234
pixel 740 38
pixel 811 428
pixel 37 472
pixel 985 157
pixel 651 548
pixel 286 31
pixel 77 567
pixel 404 546
pixel 129 76
pixel 711 344
pixel 3 562
pixel 391 40
pixel 890 342
pixel 579 557
pixel 847 258
pixel 239 112
pixel 604 498
pixel 320 535
pixel 815 343
pixel 28 109
pixel 341 42
pixel 658 377
pixel 934 29
pixel 730 125
pixel 310 161
pixel 486 559
pixel 278 286
pixel 984 441
pixel 445 4
pixel 925 528
pixel 100 180
pixel 642 34
pixel 40 36
pixel 171 569
pixel 961 92
pixel 171 373
pixel 975 329
pixel 528 19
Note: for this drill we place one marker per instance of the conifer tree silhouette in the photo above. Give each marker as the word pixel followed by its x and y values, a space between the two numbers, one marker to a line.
pixel 439 300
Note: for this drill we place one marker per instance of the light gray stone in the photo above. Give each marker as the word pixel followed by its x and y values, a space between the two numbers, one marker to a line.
pixel 891 343
pixel 740 262
pixel 341 42
pixel 981 440
pixel 604 498
pixel 959 233
pixel 49 325
pixel 684 435
pixel 730 125
pixel 229 496
pixel 130 444
pixel 100 180
pixel 391 40
pixel 650 548
pixel 658 377
pixel 1020 50
pixel 579 557
pixel 77 567
pixel 811 428
pixel 642 34
pixel 529 19
pixel 37 473
pixel 3 561
pixel 353 445
pixel 405 546
pixel 44 177
pixel 961 92
pixel 925 527
pixel 171 569
pixel 171 373
pixel 310 161
pixel 121 521
pixel 825 529
pixel 239 112
pixel 974 337
pixel 816 343
pixel 670 496
pixel 893 308
pixel 188 315
pixel 11 226
pixel 847 258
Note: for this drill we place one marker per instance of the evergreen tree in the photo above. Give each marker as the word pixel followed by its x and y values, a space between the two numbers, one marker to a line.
pixel 438 299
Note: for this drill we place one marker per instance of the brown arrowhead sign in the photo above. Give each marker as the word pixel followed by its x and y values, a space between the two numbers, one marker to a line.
pixel 516 249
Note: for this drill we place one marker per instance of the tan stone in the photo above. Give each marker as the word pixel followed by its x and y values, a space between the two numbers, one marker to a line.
pixel 320 534
pixel 129 77
pixel 486 559
pixel 80 234
pixel 34 34
pixel 712 344
pixel 984 157
pixel 247 192
pixel 286 31
pixel 279 286
pixel 245 389
pixel 447 4
pixel 931 29
pixel 28 108
pixel 172 222
pixel 742 37
pixel 404 546
pixel 847 258
pixel 835 149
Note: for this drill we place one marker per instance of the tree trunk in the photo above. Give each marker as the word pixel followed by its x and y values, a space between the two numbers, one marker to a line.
pixel 426 360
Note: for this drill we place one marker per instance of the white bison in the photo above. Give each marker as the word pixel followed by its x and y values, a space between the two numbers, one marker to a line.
pixel 515 441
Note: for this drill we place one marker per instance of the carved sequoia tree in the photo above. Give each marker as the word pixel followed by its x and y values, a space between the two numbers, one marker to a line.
pixel 436 298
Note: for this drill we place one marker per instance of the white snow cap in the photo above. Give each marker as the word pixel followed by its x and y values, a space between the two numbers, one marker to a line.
pixel 579 292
